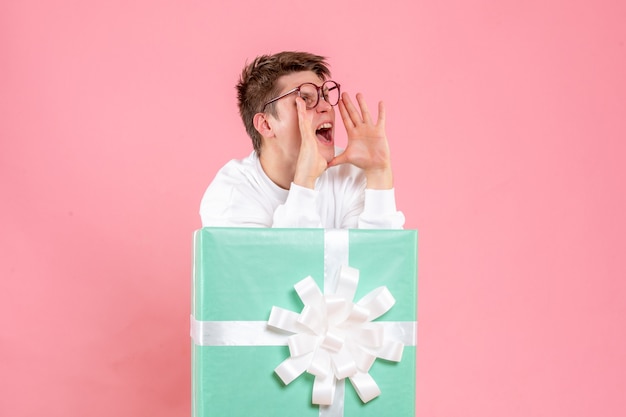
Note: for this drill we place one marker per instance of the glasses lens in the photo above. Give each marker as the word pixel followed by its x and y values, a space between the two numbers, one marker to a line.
pixel 308 92
pixel 331 92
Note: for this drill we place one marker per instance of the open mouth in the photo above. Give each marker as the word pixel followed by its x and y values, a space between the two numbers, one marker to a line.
pixel 325 133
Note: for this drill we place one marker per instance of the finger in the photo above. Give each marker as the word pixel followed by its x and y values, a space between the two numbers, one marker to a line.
pixel 347 121
pixel 367 118
pixel 338 160
pixel 301 107
pixel 354 114
pixel 304 120
pixel 381 114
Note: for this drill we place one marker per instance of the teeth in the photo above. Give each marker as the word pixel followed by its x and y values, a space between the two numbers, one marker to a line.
pixel 325 126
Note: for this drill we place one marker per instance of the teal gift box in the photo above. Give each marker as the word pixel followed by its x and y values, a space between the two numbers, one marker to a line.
pixel 240 274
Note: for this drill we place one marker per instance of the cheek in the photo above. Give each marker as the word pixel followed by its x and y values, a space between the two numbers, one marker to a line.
pixel 289 122
pixel 332 114
pixel 328 153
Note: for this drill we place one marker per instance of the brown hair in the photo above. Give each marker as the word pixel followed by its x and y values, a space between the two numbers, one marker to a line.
pixel 257 84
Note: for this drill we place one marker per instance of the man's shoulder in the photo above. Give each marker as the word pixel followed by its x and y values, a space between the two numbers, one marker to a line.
pixel 234 178
pixel 242 180
pixel 237 195
pixel 236 169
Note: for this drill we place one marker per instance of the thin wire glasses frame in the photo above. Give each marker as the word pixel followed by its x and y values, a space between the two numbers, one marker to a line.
pixel 330 84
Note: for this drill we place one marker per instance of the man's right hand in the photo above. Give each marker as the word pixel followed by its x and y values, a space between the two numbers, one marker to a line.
pixel 311 163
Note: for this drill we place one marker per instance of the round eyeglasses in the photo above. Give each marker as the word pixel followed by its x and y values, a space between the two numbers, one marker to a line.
pixel 311 93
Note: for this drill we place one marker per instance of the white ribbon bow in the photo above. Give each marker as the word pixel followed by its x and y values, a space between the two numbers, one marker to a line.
pixel 334 338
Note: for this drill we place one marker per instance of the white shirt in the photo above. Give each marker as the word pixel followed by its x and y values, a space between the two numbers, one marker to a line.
pixel 242 195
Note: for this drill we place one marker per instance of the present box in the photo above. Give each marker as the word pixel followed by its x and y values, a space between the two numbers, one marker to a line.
pixel 240 274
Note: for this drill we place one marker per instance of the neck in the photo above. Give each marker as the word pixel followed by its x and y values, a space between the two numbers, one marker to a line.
pixel 279 174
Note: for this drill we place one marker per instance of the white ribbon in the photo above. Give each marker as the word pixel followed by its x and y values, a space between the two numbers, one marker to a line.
pixel 332 338
pixel 256 333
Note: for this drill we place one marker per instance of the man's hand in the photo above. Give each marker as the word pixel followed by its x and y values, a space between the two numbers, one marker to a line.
pixel 367 146
pixel 311 164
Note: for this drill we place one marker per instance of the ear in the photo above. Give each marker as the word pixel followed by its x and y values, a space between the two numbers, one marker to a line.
pixel 262 125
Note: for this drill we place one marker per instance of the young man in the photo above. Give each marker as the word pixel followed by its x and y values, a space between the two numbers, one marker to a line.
pixel 293 178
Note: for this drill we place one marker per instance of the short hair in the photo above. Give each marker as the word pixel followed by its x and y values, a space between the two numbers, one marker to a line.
pixel 257 84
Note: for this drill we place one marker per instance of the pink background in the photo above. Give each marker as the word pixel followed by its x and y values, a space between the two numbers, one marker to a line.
pixel 507 122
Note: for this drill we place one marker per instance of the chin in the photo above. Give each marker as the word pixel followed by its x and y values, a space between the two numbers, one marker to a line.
pixel 327 150
pixel 329 155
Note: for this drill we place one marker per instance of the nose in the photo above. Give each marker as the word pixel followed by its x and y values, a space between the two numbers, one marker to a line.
pixel 322 104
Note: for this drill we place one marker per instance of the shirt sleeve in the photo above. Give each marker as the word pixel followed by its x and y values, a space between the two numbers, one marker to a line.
pixel 379 211
pixel 299 209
